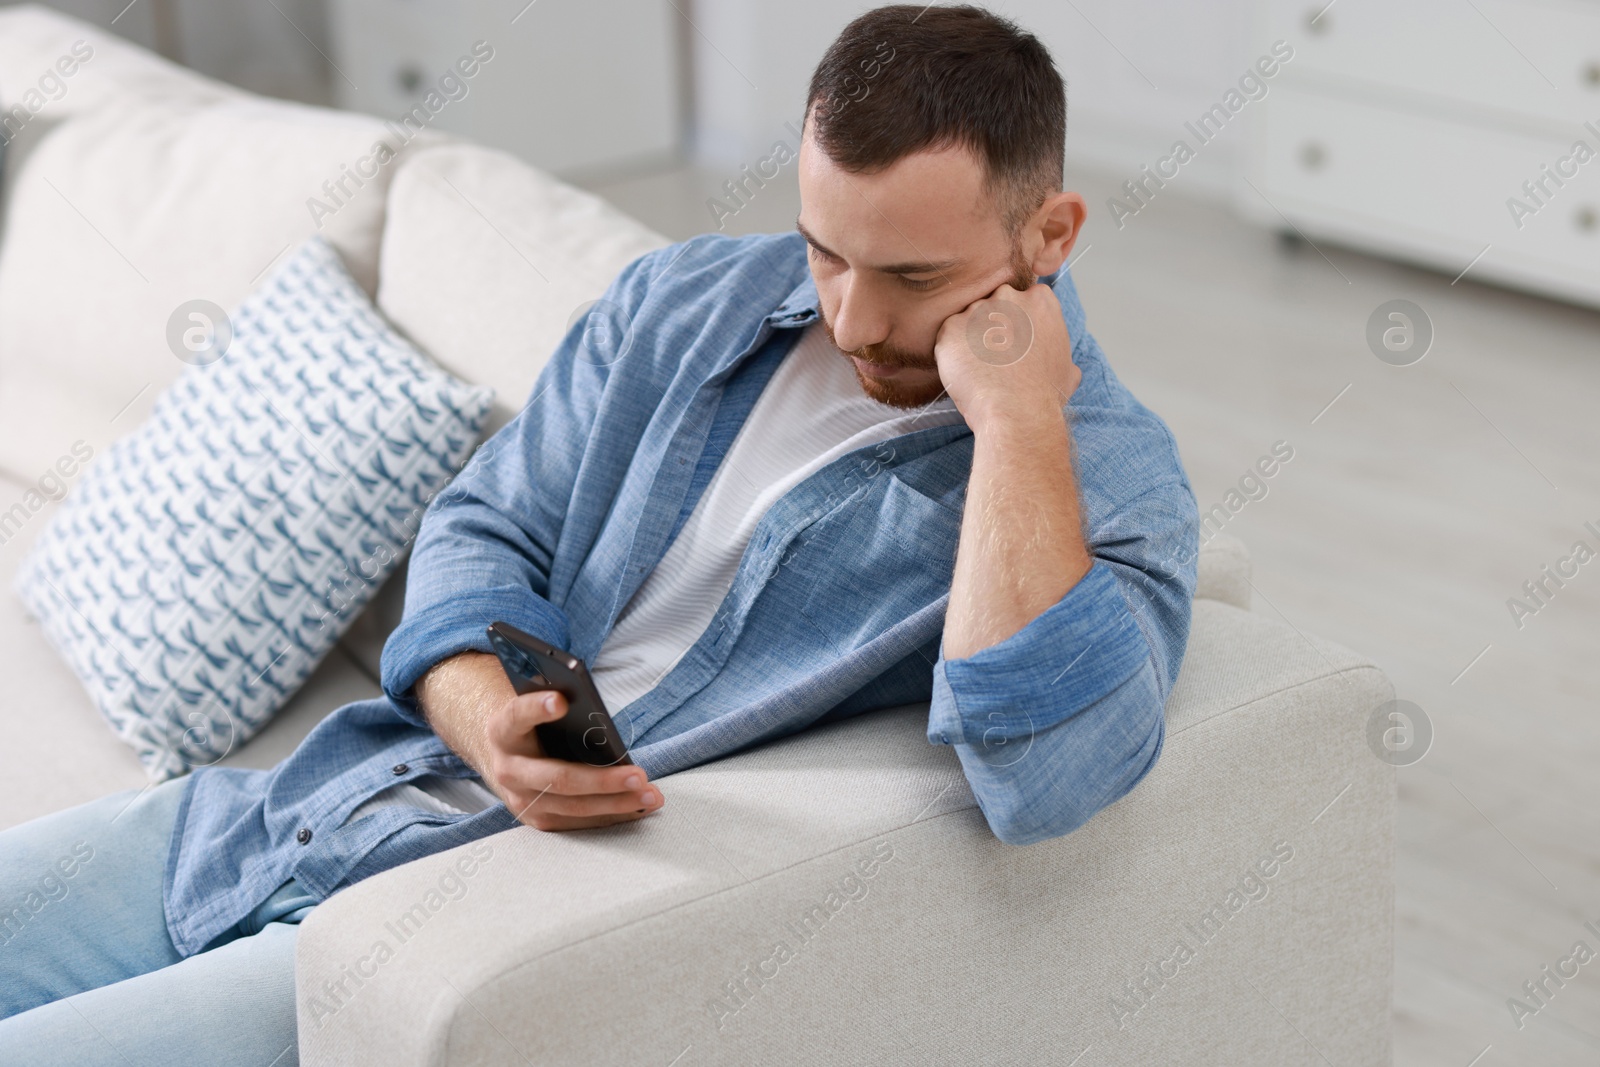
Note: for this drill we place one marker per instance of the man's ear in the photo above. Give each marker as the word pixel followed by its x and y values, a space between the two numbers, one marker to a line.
pixel 1053 230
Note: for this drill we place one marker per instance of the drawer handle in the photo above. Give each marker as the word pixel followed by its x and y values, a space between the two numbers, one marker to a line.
pixel 1587 219
pixel 1591 74
pixel 1313 156
pixel 1317 19
pixel 408 77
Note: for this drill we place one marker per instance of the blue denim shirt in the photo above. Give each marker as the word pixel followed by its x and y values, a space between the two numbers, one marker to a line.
pixel 837 606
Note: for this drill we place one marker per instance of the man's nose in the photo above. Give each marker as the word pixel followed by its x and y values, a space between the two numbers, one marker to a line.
pixel 857 324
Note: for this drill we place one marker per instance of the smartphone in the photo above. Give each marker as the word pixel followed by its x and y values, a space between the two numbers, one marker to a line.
pixel 586 733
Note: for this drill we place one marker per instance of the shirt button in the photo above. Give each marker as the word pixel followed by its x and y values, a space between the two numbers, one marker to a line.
pixel 944 737
pixel 401 768
pixel 304 836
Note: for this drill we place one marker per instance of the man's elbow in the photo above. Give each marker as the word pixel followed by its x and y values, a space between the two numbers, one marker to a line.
pixel 1079 792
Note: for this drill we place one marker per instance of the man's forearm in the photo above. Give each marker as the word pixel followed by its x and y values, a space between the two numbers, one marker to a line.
pixel 457 697
pixel 1022 546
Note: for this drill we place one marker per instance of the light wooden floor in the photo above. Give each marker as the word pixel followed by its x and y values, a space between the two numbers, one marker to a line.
pixel 1414 507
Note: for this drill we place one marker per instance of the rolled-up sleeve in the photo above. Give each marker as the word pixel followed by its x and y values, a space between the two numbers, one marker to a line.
pixel 1067 715
pixel 484 551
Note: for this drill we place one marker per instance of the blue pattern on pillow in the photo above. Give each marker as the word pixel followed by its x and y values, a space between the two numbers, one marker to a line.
pixel 205 565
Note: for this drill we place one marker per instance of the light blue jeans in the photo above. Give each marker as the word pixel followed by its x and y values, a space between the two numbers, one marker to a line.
pixel 88 975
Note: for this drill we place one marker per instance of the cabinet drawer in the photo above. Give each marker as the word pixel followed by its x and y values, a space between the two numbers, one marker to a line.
pixel 1428 188
pixel 1515 60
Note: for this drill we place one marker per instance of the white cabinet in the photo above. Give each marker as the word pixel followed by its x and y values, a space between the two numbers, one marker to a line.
pixel 576 87
pixel 1440 131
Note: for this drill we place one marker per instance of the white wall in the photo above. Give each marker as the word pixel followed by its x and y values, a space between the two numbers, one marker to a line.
pixel 276 49
pixel 1136 71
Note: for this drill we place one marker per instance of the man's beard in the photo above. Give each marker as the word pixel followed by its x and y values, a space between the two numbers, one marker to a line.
pixel 901 394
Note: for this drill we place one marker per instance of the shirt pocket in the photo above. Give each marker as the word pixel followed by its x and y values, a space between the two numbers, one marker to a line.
pixel 875 560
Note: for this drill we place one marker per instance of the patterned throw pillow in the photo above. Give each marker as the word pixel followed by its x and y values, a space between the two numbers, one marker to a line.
pixel 203 567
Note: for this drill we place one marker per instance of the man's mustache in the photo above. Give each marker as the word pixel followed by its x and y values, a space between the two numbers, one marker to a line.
pixel 885 355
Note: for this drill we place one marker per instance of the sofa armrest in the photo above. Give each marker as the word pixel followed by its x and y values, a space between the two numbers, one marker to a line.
pixel 836 897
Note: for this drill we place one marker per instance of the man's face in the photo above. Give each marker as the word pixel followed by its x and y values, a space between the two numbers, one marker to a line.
pixel 896 253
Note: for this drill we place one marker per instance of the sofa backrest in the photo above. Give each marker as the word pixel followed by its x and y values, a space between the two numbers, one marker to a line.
pixel 143 186
pixel 141 191
pixel 34 39
pixel 486 260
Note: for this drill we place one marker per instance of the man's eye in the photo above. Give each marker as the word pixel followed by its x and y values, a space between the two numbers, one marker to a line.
pixel 918 285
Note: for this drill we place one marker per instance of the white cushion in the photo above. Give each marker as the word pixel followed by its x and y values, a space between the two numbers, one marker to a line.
pixel 197 573
pixel 118 216
pixel 53 66
pixel 486 259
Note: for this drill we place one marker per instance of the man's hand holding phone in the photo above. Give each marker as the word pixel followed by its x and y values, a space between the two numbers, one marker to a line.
pixel 556 794
pixel 473 707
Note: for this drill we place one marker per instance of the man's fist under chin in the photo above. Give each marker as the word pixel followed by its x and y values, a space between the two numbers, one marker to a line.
pixel 1007 356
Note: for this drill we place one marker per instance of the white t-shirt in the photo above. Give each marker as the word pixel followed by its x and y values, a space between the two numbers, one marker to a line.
pixel 811 412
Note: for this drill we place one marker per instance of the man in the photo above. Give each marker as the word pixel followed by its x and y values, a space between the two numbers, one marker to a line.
pixel 769 482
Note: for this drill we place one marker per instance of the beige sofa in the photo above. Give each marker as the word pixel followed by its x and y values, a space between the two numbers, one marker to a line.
pixel 911 934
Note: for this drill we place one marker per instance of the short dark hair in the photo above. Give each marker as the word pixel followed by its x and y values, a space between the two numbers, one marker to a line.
pixel 904 78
